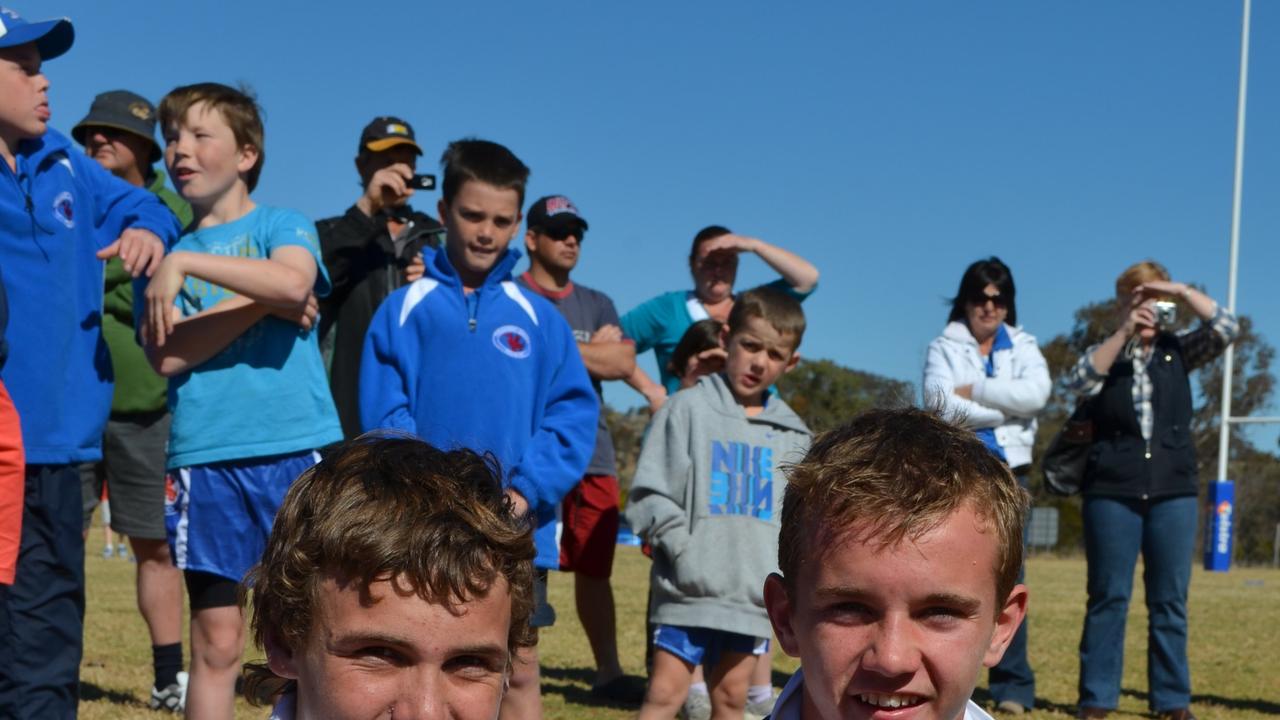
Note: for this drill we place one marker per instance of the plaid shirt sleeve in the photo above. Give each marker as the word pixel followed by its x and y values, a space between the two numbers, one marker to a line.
pixel 1084 378
pixel 1205 342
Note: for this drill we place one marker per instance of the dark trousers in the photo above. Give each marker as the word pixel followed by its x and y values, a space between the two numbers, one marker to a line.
pixel 1012 678
pixel 42 618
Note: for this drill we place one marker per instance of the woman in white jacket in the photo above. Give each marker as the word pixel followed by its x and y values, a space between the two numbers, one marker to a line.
pixel 985 373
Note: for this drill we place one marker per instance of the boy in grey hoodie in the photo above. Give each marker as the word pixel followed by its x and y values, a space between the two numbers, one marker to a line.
pixel 707 495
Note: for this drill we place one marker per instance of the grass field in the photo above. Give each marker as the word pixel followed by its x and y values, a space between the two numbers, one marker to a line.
pixel 1235 643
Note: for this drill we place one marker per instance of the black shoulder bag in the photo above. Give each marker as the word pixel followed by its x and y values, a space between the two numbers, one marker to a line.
pixel 1068 452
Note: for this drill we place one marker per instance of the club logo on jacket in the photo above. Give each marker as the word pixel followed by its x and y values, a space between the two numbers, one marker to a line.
pixel 64 210
pixel 512 341
pixel 741 480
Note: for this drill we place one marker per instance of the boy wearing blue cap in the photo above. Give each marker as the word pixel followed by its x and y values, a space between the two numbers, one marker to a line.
pixel 61 215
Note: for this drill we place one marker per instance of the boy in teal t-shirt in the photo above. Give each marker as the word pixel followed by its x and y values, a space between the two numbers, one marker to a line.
pixel 228 317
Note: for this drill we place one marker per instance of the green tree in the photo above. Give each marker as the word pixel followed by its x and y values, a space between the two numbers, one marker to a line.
pixel 826 394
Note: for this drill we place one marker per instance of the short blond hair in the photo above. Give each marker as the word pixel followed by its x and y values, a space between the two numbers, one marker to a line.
pixel 1138 274
pixel 901 473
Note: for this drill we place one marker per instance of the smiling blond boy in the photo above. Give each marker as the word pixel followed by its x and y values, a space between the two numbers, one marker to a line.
pixel 899 553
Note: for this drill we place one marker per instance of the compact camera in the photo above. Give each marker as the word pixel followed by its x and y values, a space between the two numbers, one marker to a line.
pixel 423 182
pixel 1166 313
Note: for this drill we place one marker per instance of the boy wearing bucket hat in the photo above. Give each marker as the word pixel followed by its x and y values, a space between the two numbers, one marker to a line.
pixel 119 132
pixel 61 215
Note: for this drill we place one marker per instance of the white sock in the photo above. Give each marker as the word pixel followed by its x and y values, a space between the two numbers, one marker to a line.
pixel 698 689
pixel 759 693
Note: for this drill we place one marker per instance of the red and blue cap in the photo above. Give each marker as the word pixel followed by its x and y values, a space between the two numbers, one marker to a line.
pixel 52 37
pixel 556 213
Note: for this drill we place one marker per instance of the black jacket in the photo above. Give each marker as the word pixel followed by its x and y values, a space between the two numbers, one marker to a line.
pixel 365 264
pixel 1121 463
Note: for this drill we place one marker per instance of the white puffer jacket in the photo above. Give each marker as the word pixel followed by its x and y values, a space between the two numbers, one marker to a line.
pixel 1007 402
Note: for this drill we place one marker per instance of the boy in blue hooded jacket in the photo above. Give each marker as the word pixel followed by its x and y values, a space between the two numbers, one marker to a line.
pixel 61 215
pixel 465 358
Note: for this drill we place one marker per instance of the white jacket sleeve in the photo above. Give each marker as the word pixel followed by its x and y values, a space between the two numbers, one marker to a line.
pixel 1024 394
pixel 939 391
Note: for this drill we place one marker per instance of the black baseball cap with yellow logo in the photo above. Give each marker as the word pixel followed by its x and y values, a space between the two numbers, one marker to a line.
pixel 385 133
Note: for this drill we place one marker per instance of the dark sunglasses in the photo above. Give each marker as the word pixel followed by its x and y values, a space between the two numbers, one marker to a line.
pixel 981 299
pixel 562 234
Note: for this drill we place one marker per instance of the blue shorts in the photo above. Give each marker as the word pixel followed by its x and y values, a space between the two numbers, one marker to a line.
pixel 703 646
pixel 217 517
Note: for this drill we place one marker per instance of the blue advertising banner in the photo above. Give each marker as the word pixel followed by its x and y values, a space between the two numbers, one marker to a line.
pixel 1218 530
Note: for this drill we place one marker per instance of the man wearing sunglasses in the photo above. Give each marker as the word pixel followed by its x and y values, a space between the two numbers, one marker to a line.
pixel 119 133
pixel 590 512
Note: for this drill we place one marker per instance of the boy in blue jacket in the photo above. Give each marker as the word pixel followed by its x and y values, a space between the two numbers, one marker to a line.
pixel 61 215
pixel 464 358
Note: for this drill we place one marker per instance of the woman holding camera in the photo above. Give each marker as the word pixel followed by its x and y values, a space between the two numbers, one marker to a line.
pixel 1140 483
pixel 987 374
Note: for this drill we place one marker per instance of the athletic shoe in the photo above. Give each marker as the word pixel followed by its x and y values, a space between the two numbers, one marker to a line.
pixel 122 551
pixel 697 706
pixel 1011 707
pixel 761 710
pixel 173 698
pixel 108 552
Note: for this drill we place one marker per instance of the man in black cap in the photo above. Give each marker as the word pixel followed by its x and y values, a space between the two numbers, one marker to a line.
pixel 119 132
pixel 590 512
pixel 370 251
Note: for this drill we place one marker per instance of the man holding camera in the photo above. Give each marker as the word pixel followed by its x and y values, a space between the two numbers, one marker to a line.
pixel 372 249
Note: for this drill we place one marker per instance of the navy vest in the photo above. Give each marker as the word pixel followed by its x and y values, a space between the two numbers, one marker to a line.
pixel 1121 463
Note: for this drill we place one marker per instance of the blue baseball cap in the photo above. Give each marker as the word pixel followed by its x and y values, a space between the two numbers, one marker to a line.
pixel 52 37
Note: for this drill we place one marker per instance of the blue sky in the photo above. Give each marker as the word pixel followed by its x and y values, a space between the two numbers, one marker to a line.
pixel 890 143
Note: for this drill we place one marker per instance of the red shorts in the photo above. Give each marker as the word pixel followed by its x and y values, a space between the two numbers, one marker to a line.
pixel 12 485
pixel 590 526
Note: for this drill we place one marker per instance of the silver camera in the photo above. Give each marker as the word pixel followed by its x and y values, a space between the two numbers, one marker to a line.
pixel 1166 313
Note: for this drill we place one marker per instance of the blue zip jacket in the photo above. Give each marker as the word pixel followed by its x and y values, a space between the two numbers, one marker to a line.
pixel 496 371
pixel 59 209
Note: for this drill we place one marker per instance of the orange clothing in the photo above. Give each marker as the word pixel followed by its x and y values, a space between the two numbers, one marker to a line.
pixel 12 480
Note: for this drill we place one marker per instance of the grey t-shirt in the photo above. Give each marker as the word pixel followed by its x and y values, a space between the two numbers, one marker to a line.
pixel 587 311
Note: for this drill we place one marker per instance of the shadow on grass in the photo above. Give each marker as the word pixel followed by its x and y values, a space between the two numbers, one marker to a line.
pixel 1266 707
pixel 982 696
pixel 92 693
pixel 574 685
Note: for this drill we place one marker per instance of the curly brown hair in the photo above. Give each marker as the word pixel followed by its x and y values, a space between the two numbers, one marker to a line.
pixel 903 472
pixel 388 507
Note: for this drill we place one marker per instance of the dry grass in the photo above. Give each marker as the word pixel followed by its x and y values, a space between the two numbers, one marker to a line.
pixel 1235 643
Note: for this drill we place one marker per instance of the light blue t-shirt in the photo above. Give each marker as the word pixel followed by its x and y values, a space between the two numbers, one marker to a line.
pixel 266 393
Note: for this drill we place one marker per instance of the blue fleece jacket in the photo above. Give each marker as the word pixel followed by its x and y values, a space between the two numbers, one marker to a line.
pixel 496 370
pixel 56 211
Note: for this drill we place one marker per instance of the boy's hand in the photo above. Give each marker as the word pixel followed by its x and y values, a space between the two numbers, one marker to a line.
pixel 657 395
pixel 304 316
pixel 415 269
pixel 607 334
pixel 140 251
pixel 518 503
pixel 166 283
pixel 389 187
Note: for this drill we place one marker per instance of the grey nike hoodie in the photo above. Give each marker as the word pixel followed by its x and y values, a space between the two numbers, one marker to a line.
pixel 707 495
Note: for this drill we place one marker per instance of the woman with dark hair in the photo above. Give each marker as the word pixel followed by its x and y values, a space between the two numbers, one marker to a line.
pixel 985 373
pixel 660 322
pixel 1140 484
